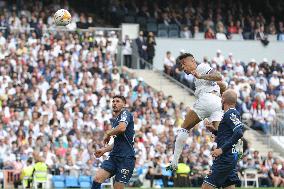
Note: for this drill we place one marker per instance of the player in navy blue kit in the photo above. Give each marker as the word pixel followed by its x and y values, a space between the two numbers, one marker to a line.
pixel 223 172
pixel 121 160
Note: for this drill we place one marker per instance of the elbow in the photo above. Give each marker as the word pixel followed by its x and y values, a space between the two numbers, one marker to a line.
pixel 240 133
pixel 219 77
pixel 122 129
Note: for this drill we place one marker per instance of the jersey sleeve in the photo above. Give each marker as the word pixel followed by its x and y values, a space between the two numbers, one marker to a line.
pixel 125 117
pixel 234 121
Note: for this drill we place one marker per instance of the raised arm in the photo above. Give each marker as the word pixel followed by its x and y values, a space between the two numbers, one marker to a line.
pixel 210 76
pixel 222 85
pixel 115 131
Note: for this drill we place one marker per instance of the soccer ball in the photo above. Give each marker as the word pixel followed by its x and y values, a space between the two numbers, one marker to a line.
pixel 62 17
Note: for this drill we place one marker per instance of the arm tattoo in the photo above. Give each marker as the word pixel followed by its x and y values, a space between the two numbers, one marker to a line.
pixel 215 76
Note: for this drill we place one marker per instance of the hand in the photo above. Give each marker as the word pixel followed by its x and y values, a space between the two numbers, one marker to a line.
pixel 217 152
pixel 99 153
pixel 209 125
pixel 106 138
pixel 196 74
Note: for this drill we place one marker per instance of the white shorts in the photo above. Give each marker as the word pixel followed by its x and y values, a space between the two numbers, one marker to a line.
pixel 209 106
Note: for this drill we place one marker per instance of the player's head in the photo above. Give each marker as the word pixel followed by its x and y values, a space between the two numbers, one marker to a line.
pixel 118 102
pixel 229 98
pixel 186 63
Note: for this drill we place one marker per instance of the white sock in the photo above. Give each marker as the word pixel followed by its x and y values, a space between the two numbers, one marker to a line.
pixel 182 136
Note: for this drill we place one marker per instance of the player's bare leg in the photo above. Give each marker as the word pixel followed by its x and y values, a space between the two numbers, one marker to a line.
pixel 190 121
pixel 118 185
pixel 100 176
pixel 207 186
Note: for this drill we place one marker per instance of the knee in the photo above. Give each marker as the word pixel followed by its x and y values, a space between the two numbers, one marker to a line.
pixel 182 135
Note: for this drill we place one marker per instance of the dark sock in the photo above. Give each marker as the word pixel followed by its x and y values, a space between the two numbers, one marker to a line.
pixel 96 185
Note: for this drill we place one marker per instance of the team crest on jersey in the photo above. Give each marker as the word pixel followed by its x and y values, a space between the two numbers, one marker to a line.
pixel 235 119
pixel 123 116
pixel 125 172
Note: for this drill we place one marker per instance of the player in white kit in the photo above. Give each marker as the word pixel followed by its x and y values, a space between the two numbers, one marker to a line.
pixel 208 104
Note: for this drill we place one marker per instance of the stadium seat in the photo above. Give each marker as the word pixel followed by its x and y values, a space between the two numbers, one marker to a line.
pixel 162 33
pixel 237 37
pixel 58 181
pixel 158 183
pixel 83 178
pixel 280 37
pixel 199 35
pixel 173 33
pixel 163 27
pixel 129 19
pixel 251 175
pixel 131 12
pixel 58 184
pixel 173 27
pixel 169 174
pixel 71 181
pixel 151 20
pixel 85 181
pixel 141 20
pixel 272 37
pixel 152 27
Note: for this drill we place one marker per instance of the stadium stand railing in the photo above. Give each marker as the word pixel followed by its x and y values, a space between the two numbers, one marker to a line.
pixel 277 129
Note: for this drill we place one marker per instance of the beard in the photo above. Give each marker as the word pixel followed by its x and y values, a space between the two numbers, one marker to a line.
pixel 222 106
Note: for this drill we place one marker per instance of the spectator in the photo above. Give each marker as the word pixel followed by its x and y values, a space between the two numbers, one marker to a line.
pixel 142 48
pixel 185 33
pixel 127 52
pixel 274 174
pixel 280 35
pixel 169 62
pixel 151 43
pixel 232 28
pixel 26 172
pixel 220 35
pixel 155 172
pixel 209 34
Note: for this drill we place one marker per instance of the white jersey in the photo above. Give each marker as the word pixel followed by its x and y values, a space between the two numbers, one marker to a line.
pixel 204 86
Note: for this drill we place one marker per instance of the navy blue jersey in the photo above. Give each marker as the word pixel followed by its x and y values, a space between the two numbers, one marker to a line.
pixel 229 132
pixel 123 143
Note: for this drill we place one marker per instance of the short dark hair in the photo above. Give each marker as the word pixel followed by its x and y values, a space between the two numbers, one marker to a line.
pixel 120 97
pixel 182 56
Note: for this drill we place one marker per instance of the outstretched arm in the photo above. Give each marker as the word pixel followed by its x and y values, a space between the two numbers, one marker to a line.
pixel 211 76
pixel 222 85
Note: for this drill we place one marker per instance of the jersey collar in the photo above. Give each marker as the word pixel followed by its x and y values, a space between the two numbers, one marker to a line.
pixel 231 109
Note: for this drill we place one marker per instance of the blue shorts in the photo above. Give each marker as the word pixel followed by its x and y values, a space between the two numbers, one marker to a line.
pixel 121 167
pixel 223 174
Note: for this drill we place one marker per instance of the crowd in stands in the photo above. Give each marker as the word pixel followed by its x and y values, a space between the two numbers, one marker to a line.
pixel 186 19
pixel 260 87
pixel 56 102
pixel 216 19
pixel 38 16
